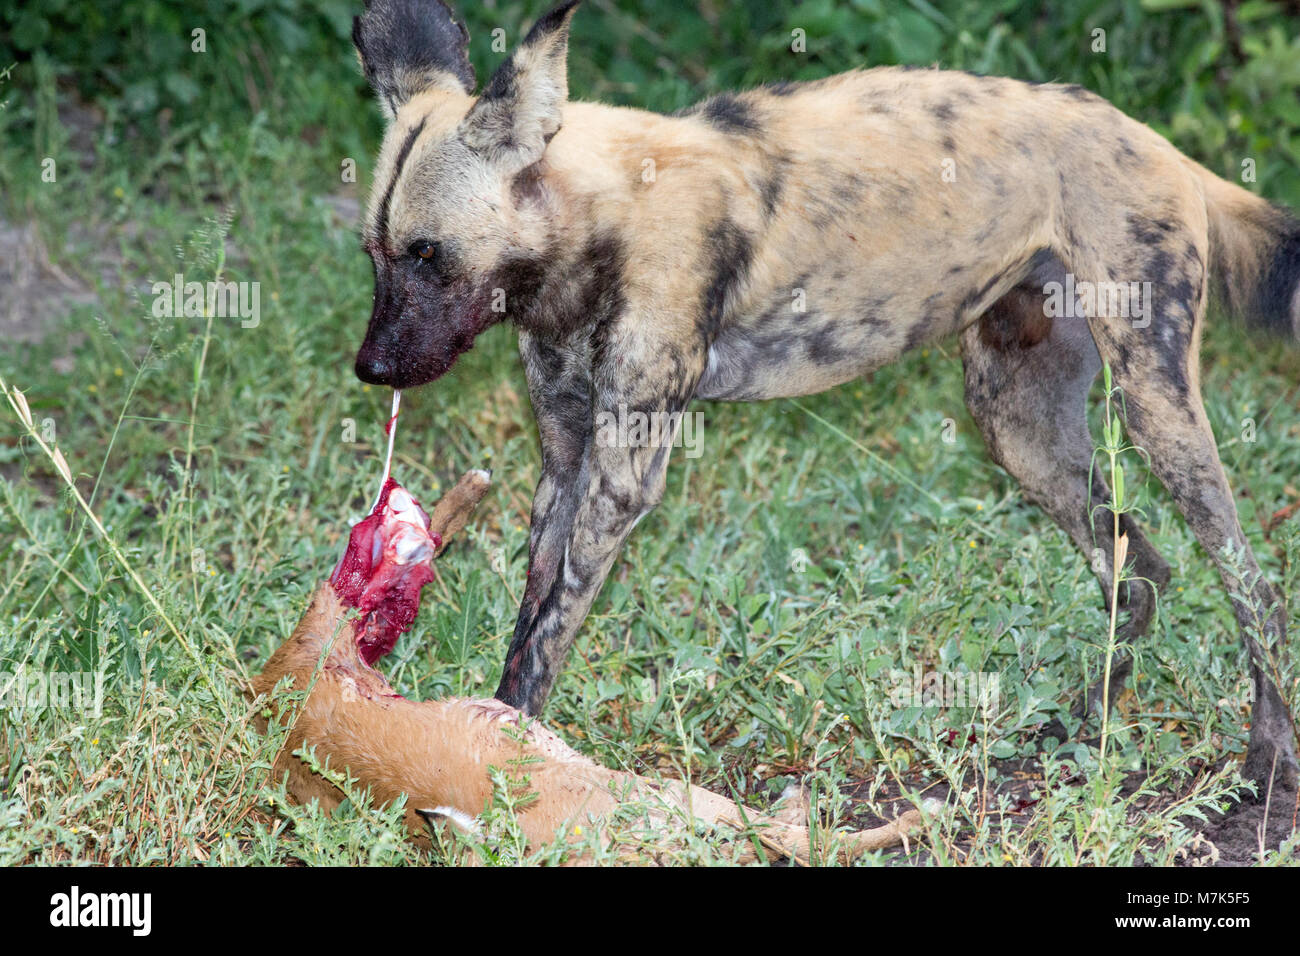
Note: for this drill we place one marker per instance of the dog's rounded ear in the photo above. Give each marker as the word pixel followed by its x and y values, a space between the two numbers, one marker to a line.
pixel 409 46
pixel 521 107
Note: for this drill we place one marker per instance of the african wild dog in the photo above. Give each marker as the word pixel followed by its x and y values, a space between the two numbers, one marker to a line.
pixel 644 292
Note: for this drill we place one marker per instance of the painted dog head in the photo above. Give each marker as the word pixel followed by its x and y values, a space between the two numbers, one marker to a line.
pixel 459 220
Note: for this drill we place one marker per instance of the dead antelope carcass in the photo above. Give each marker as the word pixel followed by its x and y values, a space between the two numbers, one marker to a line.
pixel 439 753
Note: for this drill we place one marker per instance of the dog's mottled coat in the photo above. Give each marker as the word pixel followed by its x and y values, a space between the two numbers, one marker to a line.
pixel 790 238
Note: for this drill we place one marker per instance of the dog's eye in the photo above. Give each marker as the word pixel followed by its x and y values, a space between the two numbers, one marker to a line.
pixel 424 250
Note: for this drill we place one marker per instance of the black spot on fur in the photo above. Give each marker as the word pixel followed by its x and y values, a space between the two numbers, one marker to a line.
pixel 782 88
pixel 943 111
pixel 1148 231
pixel 929 326
pixel 774 183
pixel 827 201
pixel 554 300
pixel 822 345
pixel 773 346
pixel 919 332
pixel 873 306
pixel 602 270
pixel 1159 270
pixel 521 277
pixel 727 113
pixel 729 250
pixel 852 188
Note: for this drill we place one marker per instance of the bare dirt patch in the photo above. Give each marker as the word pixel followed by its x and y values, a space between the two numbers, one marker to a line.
pixel 35 294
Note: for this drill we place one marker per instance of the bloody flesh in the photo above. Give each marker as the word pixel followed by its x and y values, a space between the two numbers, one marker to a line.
pixel 387 561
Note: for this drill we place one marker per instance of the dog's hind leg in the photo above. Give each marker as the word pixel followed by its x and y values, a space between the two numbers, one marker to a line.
pixel 1154 361
pixel 1027 383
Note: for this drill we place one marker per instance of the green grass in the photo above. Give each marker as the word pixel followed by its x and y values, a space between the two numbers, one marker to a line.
pixel 214 457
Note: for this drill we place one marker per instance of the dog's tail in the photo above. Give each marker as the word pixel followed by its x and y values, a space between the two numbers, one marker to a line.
pixel 1254 257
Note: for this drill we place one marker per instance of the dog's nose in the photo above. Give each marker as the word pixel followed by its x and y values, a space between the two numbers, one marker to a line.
pixel 374 369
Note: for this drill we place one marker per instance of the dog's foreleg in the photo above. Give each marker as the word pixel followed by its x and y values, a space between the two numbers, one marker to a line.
pixel 621 486
pixel 584 511
pixel 559 385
